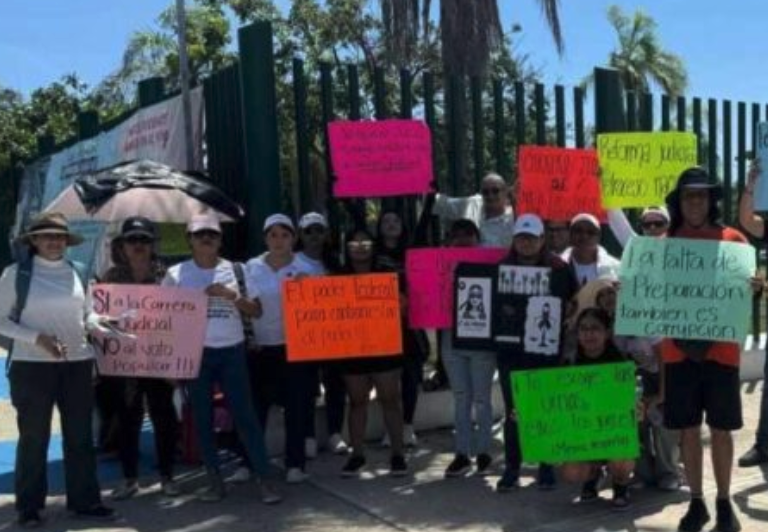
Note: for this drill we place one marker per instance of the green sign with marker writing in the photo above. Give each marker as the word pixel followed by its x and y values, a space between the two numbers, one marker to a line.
pixel 577 413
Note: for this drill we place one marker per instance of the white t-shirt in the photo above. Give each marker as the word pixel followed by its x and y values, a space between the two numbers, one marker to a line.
pixel 267 283
pixel 310 265
pixel 225 327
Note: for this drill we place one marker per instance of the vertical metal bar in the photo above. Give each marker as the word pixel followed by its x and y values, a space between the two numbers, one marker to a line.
pixel 406 97
pixel 712 136
pixel 682 113
pixel 541 115
pixel 429 110
pixel 353 92
pixel 697 127
pixel 560 115
pixel 380 94
pixel 519 113
pixel 741 145
pixel 498 127
pixel 665 119
pixel 728 160
pixel 302 139
pixel 646 111
pixel 631 98
pixel 328 115
pixel 478 131
pixel 578 114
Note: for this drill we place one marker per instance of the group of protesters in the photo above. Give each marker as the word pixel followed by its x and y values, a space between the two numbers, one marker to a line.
pixel 244 355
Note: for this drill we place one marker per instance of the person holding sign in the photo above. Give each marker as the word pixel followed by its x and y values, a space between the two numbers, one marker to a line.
pixel 274 380
pixel 757 227
pixel 594 332
pixel 135 262
pixel 540 278
pixel 51 364
pixel 470 374
pixel 654 221
pixel 587 259
pixel 224 357
pixel 703 376
pixel 490 210
pixel 363 374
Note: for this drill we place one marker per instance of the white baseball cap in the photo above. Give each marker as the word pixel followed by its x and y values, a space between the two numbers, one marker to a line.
pixel 204 222
pixel 278 219
pixel 528 224
pixel 312 218
pixel 587 218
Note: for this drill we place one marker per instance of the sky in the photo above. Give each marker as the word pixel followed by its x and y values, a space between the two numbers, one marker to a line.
pixel 41 40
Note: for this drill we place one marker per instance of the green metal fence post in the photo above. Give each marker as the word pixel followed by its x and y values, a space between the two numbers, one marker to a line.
pixel 151 90
pixel 87 124
pixel 262 144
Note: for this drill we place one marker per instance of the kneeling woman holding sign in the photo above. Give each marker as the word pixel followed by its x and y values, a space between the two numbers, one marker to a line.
pixel 593 328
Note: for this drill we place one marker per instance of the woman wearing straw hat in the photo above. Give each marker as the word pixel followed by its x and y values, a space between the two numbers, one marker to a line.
pixel 52 364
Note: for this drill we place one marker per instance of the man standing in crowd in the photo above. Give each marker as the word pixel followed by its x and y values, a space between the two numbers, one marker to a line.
pixel 490 210
pixel 756 226
pixel 586 257
pixel 703 376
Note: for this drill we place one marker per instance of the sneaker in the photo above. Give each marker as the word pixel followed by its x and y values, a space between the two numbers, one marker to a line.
pixel 295 476
pixel 671 483
pixel 509 481
pixel 353 466
pixel 215 490
pixel 337 445
pixel 97 513
pixel 170 488
pixel 483 462
pixel 589 491
pixel 241 475
pixel 397 466
pixel 754 457
pixel 546 481
pixel 126 491
pixel 409 436
pixel 30 519
pixel 620 501
pixel 695 518
pixel 267 494
pixel 310 448
pixel 726 520
pixel 460 466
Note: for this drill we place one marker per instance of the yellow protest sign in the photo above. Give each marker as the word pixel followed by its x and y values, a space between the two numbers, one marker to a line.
pixel 640 169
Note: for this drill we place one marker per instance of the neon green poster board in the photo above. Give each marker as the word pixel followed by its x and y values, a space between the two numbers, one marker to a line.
pixel 577 413
pixel 640 169
pixel 687 289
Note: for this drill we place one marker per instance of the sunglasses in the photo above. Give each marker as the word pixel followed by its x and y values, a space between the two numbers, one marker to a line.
pixel 654 224
pixel 314 230
pixel 360 244
pixel 206 233
pixel 490 192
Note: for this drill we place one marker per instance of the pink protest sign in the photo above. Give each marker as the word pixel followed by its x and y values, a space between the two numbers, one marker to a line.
pixel 429 273
pixel 381 158
pixel 164 326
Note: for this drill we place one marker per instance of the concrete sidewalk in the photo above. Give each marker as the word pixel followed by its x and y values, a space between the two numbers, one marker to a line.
pixel 423 501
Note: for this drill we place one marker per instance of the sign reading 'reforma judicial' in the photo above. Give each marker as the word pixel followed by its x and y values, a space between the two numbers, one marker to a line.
pixel 686 289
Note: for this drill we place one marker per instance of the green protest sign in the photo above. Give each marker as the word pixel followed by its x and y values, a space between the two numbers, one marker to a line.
pixel 687 289
pixel 639 169
pixel 578 413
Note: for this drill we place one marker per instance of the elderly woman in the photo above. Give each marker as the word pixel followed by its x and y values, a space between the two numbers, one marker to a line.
pixel 51 364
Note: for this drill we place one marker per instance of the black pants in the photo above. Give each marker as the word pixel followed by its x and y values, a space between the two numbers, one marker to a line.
pixel 35 388
pixel 109 398
pixel 159 397
pixel 335 397
pixel 274 381
pixel 410 380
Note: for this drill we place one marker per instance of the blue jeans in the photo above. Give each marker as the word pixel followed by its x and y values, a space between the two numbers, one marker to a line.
pixel 762 426
pixel 471 377
pixel 227 367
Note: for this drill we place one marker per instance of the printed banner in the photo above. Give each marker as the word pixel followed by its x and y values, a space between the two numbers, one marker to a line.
pixel 165 331
pixel 337 317
pixel 429 273
pixel 687 289
pixel 577 414
pixel 640 169
pixel 761 187
pixel 558 183
pixel 380 158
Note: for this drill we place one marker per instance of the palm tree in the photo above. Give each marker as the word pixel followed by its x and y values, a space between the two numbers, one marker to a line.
pixel 640 58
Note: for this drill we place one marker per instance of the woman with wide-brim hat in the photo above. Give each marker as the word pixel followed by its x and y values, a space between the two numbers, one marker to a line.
pixel 51 363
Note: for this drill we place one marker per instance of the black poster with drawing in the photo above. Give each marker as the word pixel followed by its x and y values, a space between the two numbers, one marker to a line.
pixel 474 287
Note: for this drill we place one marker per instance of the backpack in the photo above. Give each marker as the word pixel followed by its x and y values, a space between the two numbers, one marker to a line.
pixel 23 282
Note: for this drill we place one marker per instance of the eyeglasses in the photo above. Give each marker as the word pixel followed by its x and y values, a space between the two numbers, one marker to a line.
pixel 138 240
pixel 206 233
pixel 360 244
pixel 654 224
pixel 314 230
pixel 486 192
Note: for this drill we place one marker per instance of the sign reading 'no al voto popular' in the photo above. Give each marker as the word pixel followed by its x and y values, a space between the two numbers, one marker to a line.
pixel 640 169
pixel 164 331
pixel 345 316
pixel 575 414
pixel 686 289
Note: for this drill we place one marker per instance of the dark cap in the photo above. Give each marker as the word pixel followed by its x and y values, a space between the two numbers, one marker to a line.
pixel 138 226
pixel 695 177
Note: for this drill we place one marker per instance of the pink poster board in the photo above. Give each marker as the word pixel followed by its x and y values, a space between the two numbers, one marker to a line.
pixel 168 328
pixel 429 274
pixel 380 158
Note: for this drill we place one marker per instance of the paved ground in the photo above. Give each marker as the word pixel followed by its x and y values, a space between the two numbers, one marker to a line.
pixel 421 502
